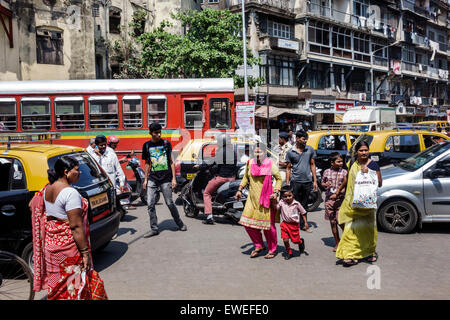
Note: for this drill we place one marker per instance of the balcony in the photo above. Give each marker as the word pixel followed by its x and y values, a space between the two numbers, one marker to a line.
pixel 380 26
pixel 412 37
pixel 379 61
pixel 279 4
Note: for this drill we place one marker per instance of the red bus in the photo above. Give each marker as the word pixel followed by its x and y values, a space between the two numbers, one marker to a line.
pixel 81 109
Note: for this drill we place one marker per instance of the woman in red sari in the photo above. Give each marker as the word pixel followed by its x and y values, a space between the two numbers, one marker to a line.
pixel 61 247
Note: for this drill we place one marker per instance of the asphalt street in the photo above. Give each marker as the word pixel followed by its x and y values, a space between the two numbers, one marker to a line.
pixel 213 262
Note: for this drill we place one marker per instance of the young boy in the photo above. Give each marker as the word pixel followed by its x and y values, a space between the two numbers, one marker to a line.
pixel 290 211
pixel 334 181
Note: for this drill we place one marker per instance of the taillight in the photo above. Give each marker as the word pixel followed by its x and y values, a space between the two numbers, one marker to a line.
pixel 178 167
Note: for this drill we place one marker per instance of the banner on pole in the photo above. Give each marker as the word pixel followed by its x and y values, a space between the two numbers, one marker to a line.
pixel 245 116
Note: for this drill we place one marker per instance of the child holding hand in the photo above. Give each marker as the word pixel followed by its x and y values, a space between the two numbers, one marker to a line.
pixel 291 211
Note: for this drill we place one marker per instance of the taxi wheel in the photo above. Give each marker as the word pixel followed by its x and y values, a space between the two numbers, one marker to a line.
pixel 398 216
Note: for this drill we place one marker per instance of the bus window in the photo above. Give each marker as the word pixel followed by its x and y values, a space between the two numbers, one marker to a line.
pixel 193 114
pixel 157 110
pixel 69 112
pixel 8 120
pixel 103 112
pixel 219 113
pixel 132 111
pixel 36 114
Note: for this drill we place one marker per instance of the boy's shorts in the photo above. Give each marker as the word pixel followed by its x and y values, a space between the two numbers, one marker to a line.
pixel 290 231
pixel 332 208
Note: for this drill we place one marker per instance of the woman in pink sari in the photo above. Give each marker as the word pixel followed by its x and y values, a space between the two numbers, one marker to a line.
pixel 61 247
pixel 257 214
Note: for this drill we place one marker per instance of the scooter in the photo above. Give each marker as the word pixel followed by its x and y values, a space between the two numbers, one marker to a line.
pixel 139 174
pixel 223 202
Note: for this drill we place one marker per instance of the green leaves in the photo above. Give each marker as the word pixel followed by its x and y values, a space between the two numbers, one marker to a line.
pixel 210 48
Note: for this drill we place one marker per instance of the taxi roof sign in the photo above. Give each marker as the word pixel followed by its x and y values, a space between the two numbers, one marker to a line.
pixel 28 137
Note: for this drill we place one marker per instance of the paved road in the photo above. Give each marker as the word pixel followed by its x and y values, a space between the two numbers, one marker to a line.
pixel 212 262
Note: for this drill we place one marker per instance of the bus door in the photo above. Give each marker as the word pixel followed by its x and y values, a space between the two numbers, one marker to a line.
pixel 194 111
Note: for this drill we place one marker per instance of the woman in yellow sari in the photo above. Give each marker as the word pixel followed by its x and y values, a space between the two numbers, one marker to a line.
pixel 359 238
pixel 257 214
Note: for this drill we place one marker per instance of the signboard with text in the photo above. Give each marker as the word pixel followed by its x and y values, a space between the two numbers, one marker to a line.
pixel 245 116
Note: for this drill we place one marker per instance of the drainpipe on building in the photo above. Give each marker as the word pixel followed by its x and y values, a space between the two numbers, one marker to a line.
pixel 244 45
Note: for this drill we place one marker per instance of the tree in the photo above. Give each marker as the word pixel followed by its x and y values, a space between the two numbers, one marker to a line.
pixel 210 48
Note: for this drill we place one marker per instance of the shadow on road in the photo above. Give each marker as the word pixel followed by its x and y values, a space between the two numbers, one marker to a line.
pixel 108 256
pixel 330 242
pixel 439 228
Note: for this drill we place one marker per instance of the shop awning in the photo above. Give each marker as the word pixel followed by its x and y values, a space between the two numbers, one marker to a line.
pixel 274 112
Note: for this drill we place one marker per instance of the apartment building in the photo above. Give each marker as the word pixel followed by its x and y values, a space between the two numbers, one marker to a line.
pixel 343 53
pixel 63 40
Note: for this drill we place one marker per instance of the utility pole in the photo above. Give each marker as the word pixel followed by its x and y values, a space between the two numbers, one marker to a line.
pixel 244 45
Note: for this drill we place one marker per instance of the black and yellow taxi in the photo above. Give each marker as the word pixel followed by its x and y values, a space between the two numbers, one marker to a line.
pixel 23 171
pixel 326 142
pixel 198 149
pixel 392 146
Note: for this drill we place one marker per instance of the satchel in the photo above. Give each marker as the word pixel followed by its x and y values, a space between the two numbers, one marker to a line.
pixel 365 190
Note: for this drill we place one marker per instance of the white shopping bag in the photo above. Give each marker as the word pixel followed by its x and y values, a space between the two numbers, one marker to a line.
pixel 365 190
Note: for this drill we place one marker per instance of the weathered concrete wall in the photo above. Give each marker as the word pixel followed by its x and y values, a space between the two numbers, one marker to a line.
pixel 9 64
pixel 76 23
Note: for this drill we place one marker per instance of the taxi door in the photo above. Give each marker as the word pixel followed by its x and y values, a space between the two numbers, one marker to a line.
pixel 15 217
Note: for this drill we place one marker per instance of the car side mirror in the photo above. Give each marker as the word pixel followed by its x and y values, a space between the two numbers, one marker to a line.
pixel 437 172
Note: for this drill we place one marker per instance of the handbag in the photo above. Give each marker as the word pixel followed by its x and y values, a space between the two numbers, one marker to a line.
pixel 365 190
pixel 94 285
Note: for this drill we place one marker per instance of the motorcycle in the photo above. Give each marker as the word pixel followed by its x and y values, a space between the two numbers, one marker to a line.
pixel 135 165
pixel 223 202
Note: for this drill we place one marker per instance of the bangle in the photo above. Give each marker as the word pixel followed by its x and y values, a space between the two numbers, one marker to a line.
pixel 84 250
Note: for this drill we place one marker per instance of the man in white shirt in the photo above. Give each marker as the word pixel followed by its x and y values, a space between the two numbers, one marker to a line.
pixel 107 159
pixel 91 149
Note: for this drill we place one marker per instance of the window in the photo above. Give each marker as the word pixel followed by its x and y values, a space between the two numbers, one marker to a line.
pixel 13 175
pixel 157 110
pixel 408 54
pixel 193 113
pixel 361 8
pixel 361 46
pixel 333 142
pixel 114 20
pixel 90 171
pixel 69 113
pixel 103 112
pixel 132 111
pixel 49 46
pixel 342 42
pixel 281 30
pixel 318 76
pixel 8 118
pixel 213 1
pixel 36 114
pixel 403 144
pixel 219 113
pixel 430 140
pixel 281 70
pixel 319 37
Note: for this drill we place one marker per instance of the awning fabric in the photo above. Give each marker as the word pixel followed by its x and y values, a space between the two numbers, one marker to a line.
pixel 274 112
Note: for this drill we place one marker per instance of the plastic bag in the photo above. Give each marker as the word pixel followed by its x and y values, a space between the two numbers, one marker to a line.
pixel 365 190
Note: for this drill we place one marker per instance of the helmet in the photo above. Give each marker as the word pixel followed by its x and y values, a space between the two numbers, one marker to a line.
pixel 113 139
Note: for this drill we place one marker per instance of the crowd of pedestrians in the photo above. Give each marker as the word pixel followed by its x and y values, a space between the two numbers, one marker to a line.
pixel 277 192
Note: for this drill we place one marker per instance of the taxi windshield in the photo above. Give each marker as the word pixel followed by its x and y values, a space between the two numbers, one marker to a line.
pixel 420 159
pixel 90 172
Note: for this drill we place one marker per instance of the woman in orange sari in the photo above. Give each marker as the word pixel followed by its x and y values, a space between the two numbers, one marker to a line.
pixel 61 247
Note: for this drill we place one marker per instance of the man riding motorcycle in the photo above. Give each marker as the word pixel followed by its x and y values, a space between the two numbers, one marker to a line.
pixel 225 159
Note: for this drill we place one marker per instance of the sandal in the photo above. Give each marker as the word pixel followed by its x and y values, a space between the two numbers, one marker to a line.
pixel 270 255
pixel 349 262
pixel 372 258
pixel 255 253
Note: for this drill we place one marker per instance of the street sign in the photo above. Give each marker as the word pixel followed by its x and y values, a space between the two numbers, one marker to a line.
pixel 261 99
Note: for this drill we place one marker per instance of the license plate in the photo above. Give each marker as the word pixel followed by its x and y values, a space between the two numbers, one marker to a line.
pixel 98 200
pixel 190 176
pixel 238 205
